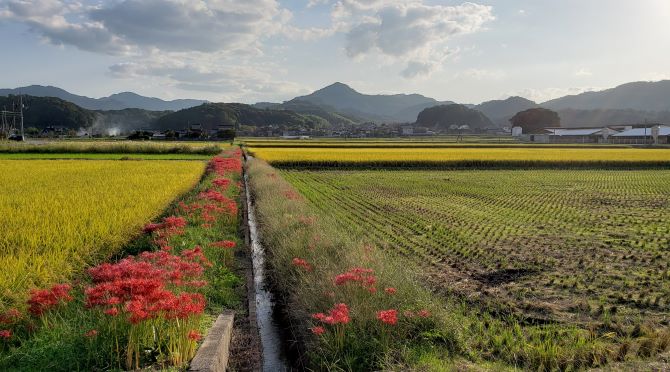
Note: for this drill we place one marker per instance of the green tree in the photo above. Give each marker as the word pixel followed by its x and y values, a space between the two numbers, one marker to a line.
pixel 534 119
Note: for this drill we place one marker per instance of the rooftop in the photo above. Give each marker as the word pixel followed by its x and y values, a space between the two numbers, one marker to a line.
pixel 641 132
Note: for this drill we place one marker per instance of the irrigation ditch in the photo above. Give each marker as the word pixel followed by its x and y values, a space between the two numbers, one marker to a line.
pixel 262 304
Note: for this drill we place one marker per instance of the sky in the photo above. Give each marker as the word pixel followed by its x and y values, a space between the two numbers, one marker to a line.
pixel 273 50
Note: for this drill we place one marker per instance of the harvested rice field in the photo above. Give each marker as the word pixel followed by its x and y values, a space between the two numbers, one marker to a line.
pixel 578 246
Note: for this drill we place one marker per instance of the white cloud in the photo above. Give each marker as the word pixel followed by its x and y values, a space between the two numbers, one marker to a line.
pixel 218 45
pixel 50 19
pixel 185 25
pixel 407 31
pixel 205 73
pixel 583 72
pixel 169 25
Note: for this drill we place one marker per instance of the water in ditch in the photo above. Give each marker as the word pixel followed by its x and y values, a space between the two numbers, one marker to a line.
pixel 273 356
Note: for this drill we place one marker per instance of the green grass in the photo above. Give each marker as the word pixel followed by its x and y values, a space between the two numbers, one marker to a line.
pixel 98 156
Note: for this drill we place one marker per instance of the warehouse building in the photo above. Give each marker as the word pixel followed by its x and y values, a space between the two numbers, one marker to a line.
pixel 573 135
pixel 650 135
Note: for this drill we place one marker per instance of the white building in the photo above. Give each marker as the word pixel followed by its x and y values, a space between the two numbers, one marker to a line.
pixel 657 134
pixel 573 135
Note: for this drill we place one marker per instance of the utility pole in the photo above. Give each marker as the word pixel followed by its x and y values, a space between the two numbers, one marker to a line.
pixel 23 135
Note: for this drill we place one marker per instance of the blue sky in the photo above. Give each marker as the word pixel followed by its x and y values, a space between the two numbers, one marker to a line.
pixel 269 50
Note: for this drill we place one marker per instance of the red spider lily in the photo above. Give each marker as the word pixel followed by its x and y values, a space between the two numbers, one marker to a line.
pixel 112 311
pixel 221 166
pixel 42 300
pixel 339 314
pixel 151 227
pixel 92 333
pixel 138 286
pixel 388 316
pixel 318 330
pixel 359 275
pixel 390 290
pixel 221 183
pixel 6 334
pixel 423 313
pixel 10 316
pixel 194 335
pixel 299 262
pixel 172 224
pixel 226 244
pixel 229 206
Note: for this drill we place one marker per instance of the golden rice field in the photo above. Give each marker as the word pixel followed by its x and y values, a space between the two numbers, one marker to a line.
pixel 58 216
pixel 113 147
pixel 460 156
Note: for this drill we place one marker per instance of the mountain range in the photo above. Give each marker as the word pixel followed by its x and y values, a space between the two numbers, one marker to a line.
pixel 339 105
pixel 117 101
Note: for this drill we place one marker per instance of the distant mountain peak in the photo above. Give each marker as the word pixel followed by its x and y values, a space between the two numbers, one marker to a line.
pixel 338 88
pixel 118 101
pixel 379 107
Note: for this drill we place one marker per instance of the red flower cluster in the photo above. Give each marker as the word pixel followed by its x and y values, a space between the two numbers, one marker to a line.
pixel 318 330
pixel 10 316
pixel 229 205
pixel 390 290
pixel 359 275
pixel 173 225
pixel 388 316
pixel 339 314
pixel 226 244
pixel 139 286
pixel 6 334
pixel 221 166
pixel 221 183
pixel 42 300
pixel 299 262
pixel 194 335
pixel 92 333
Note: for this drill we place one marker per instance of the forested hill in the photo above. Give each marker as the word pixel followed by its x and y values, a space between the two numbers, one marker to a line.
pixel 41 112
pixel 210 115
pixel 444 116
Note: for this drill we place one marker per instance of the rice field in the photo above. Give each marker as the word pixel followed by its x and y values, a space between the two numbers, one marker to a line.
pixel 111 147
pixel 57 217
pixel 574 246
pixel 463 157
pixel 101 156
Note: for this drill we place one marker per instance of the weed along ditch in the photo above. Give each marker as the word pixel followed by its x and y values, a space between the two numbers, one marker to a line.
pixel 270 334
